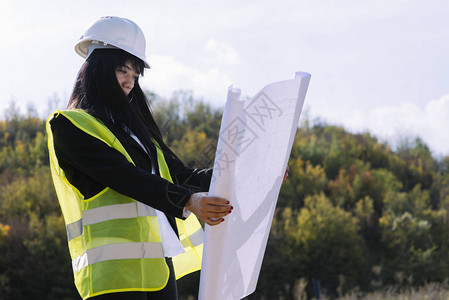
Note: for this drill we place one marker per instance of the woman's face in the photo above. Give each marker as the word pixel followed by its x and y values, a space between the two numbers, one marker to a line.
pixel 126 77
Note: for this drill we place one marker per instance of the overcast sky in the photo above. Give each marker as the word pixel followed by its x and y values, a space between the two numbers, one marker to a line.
pixel 380 66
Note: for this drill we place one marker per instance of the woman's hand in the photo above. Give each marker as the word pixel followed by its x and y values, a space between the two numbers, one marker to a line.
pixel 285 175
pixel 210 210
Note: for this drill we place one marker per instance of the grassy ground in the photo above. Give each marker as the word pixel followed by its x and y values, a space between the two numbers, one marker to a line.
pixel 430 291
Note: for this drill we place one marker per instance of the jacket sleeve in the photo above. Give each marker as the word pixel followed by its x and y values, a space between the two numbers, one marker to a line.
pixel 81 155
pixel 195 180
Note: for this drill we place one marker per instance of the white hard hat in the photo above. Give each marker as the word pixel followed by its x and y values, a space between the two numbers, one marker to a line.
pixel 113 32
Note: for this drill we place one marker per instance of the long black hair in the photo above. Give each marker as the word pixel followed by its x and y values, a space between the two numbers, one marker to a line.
pixel 98 92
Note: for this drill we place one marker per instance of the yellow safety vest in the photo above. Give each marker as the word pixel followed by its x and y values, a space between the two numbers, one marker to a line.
pixel 114 240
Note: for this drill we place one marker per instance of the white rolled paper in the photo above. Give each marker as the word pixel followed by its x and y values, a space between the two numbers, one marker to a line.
pixel 256 137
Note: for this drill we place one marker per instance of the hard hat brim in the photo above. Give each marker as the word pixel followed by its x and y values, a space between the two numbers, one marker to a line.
pixel 82 48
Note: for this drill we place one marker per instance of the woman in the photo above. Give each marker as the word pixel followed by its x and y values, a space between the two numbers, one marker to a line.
pixel 119 186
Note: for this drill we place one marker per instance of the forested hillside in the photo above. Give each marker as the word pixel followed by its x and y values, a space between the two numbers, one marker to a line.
pixel 353 215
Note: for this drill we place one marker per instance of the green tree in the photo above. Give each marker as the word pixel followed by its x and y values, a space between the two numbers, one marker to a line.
pixel 304 179
pixel 409 247
pixel 329 239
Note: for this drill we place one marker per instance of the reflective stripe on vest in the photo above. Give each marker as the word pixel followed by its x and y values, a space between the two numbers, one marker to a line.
pixel 105 213
pixel 111 235
pixel 196 238
pixel 117 251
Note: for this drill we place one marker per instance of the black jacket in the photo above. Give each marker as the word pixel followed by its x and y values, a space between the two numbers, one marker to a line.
pixel 90 165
